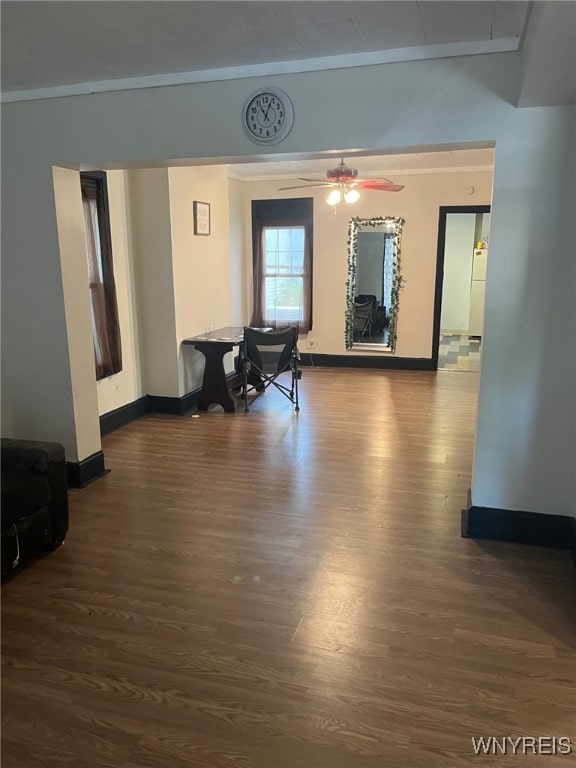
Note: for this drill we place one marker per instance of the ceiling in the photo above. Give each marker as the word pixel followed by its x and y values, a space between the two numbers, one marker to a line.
pixel 49 45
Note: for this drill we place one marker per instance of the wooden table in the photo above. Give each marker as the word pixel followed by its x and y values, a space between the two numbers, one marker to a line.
pixel 216 385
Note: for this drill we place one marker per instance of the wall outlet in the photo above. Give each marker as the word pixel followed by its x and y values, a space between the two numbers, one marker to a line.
pixel 310 343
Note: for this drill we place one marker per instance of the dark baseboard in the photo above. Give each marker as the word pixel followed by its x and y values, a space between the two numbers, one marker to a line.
pixel 122 416
pixel 520 527
pixel 174 406
pixel 368 361
pixel 81 473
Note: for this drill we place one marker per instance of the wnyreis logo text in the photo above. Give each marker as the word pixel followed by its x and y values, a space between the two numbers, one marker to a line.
pixel 523 745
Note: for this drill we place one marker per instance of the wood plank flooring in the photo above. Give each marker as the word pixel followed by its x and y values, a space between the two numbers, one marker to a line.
pixel 276 590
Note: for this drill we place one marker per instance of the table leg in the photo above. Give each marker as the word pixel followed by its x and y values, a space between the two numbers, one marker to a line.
pixel 214 384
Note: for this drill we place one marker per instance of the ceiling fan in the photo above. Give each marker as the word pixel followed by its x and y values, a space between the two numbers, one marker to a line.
pixel 345 183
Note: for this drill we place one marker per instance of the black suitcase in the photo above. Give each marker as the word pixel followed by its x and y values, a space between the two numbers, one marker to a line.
pixel 34 500
pixel 25 539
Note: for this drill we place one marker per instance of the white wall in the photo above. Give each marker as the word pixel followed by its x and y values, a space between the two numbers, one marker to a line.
pixel 418 204
pixel 153 269
pixel 525 445
pixel 548 56
pixel 74 270
pixel 201 264
pixel 36 368
pixel 458 252
pixel 240 278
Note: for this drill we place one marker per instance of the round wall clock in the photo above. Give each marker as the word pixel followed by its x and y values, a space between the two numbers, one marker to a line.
pixel 267 116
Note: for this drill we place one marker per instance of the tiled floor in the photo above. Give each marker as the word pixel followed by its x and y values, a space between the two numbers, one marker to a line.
pixel 459 353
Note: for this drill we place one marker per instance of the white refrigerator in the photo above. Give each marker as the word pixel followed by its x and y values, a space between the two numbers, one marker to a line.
pixel 477 287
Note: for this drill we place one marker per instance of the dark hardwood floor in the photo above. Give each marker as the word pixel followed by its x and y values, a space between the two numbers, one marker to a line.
pixel 275 590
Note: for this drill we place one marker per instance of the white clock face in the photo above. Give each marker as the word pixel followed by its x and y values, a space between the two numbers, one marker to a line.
pixel 268 116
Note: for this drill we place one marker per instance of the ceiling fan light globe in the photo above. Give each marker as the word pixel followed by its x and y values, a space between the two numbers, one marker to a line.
pixel 334 197
pixel 352 196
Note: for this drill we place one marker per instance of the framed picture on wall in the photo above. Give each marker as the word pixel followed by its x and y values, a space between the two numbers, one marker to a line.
pixel 201 218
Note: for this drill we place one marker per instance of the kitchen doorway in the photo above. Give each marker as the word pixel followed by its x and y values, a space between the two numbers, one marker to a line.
pixel 463 244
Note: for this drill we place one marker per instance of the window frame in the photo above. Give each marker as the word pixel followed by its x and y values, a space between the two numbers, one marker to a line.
pixel 95 182
pixel 280 272
pixel 280 214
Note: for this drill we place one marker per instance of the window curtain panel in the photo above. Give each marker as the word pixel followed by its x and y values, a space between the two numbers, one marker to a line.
pixel 281 213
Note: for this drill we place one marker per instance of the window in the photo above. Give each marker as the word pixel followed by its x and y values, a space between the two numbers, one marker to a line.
pixel 283 275
pixel 282 239
pixel 105 327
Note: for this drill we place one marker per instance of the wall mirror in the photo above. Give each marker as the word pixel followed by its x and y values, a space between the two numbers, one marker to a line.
pixel 374 282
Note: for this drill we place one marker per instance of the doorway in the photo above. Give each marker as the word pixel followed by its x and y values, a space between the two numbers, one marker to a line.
pixel 463 237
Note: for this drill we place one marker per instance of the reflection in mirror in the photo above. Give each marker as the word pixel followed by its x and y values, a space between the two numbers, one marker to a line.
pixel 374 281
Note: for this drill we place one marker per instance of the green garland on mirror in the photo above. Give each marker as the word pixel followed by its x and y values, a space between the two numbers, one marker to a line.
pixel 351 246
pixel 389 224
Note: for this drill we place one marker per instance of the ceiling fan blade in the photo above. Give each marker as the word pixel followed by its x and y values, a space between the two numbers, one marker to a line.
pixel 379 185
pixel 307 186
pixel 315 181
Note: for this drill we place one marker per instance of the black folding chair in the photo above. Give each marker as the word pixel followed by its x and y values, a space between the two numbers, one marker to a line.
pixel 264 356
pixel 362 319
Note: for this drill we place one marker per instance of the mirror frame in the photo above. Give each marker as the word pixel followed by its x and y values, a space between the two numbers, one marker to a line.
pixel 390 225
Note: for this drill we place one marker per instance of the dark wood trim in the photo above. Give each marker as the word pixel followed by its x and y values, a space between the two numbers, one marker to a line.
pixel 521 527
pixel 119 417
pixel 443 213
pixel 175 406
pixel 80 473
pixel 367 361
pixel 282 212
pixel 95 184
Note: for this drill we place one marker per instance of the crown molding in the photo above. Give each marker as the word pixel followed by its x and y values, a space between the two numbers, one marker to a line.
pixel 342 61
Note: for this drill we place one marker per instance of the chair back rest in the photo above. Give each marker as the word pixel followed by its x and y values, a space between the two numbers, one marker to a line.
pixel 270 351
pixel 362 315
pixel 362 298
